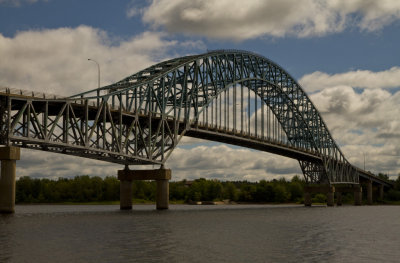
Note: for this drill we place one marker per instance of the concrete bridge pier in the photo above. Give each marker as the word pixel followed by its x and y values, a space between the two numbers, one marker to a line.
pixel 162 196
pixel 381 192
pixel 369 192
pixel 358 196
pixel 326 189
pixel 8 156
pixel 161 176
pixel 125 195
pixel 307 198
pixel 330 200
pixel 356 189
pixel 339 198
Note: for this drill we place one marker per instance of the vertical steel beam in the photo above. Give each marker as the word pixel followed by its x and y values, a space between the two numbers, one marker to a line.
pixel 248 109
pixel 228 106
pixel 241 108
pixel 262 112
pixel 255 109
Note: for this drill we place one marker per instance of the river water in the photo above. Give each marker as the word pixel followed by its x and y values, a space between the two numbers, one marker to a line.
pixel 232 233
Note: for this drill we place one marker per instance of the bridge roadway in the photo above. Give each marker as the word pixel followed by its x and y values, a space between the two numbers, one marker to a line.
pixel 50 108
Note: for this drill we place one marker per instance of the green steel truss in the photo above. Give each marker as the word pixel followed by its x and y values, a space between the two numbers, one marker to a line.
pixel 231 96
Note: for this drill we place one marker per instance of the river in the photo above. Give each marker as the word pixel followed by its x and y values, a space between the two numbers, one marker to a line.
pixel 184 233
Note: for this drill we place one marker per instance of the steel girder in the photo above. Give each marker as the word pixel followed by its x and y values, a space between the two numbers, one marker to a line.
pixel 141 118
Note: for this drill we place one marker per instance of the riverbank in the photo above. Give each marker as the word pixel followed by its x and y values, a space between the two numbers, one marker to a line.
pixel 182 202
pixel 96 190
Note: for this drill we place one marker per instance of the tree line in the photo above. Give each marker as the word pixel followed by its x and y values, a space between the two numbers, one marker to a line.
pixel 97 189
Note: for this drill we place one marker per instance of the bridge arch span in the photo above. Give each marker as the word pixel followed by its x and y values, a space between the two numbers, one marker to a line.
pixel 186 89
pixel 231 96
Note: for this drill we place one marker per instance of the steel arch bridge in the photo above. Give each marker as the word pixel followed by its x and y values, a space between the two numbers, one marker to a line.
pixel 230 96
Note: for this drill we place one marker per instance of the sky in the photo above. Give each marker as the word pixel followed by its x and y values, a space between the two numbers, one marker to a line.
pixel 344 53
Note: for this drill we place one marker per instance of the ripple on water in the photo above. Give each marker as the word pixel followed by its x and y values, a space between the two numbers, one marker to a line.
pixel 248 233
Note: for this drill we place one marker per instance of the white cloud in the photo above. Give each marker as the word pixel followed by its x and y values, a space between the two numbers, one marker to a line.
pixel 363 122
pixel 55 61
pixel 230 163
pixel 240 20
pixel 203 161
pixel 135 8
pixel 40 164
pixel 360 78
pixel 373 14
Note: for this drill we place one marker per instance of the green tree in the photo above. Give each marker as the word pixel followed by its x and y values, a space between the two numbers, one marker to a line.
pixel 397 183
pixel 383 176
pixel 230 192
pixel 281 194
pixel 110 189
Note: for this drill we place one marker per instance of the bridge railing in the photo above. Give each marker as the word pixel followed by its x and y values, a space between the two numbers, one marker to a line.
pixel 29 93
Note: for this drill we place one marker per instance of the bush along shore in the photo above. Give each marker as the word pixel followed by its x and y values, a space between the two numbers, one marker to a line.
pixel 97 190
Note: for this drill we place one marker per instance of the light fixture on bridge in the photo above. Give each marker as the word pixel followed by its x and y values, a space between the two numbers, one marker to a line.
pixel 98 68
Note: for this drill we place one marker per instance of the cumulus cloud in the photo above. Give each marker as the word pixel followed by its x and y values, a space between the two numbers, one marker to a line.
pixel 215 161
pixel 56 61
pixel 373 14
pixel 230 163
pixel 135 8
pixel 38 164
pixel 360 79
pixel 362 121
pixel 277 18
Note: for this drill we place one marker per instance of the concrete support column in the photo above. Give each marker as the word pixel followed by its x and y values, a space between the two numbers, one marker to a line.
pixel 161 176
pixel 369 192
pixel 125 195
pixel 8 157
pixel 329 190
pixel 338 198
pixel 162 197
pixel 330 201
pixel 307 199
pixel 381 192
pixel 358 196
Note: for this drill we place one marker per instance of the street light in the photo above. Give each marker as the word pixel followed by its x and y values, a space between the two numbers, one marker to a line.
pixel 98 68
pixel 364 160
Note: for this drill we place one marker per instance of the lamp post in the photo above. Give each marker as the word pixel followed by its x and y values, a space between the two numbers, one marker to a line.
pixel 98 68
pixel 364 160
